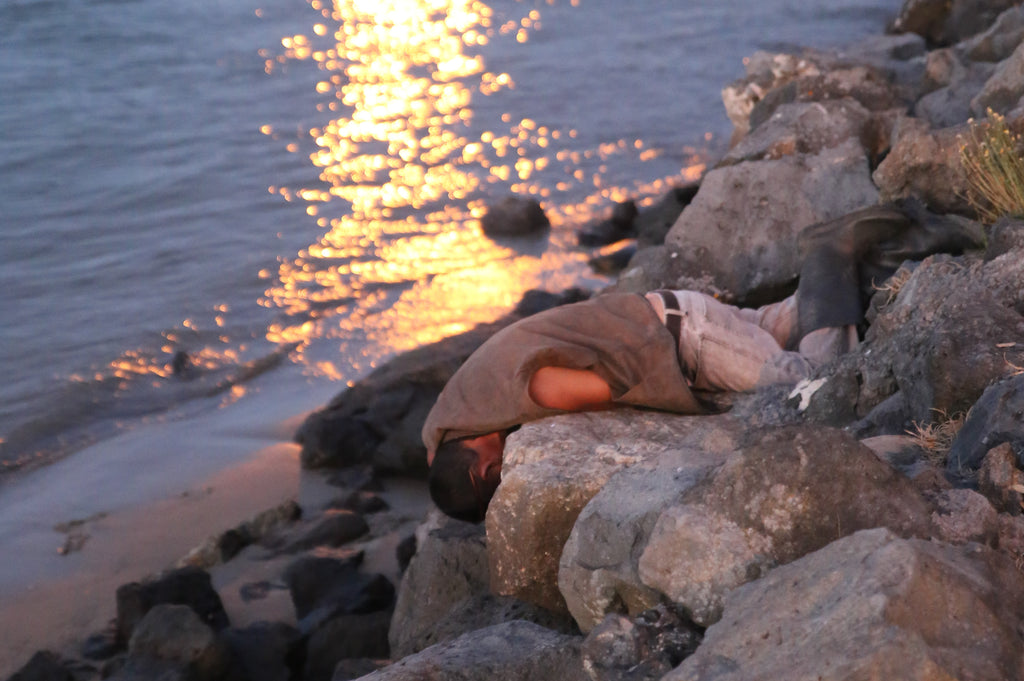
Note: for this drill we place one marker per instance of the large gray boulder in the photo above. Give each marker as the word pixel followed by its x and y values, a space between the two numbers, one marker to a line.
pixel 996 418
pixel 943 338
pixel 802 128
pixel 1004 89
pixel 950 104
pixel 450 566
pixel 999 41
pixel 514 651
pixel 788 495
pixel 945 22
pixel 597 573
pixel 764 72
pixel 871 606
pixel 445 591
pixel 738 233
pixel 553 467
pixel 935 343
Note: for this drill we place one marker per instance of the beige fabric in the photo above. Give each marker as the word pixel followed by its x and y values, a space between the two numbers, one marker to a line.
pixel 617 335
pixel 722 347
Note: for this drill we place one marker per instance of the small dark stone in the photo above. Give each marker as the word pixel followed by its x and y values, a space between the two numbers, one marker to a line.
pixel 254 591
pixel 357 478
pixel 336 528
pixel 186 586
pixel 514 216
pixel 360 502
pixel 265 651
pixel 355 668
pixel 101 645
pixel 534 300
pixel 230 544
pixel 642 649
pixel 405 550
pixel 45 665
pixel 180 363
pixel 997 417
pixel 346 636
pixel 322 588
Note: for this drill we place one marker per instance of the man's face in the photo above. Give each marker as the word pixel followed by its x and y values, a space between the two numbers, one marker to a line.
pixel 489 449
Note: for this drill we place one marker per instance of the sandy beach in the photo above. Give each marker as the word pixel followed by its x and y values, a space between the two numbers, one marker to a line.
pixel 132 506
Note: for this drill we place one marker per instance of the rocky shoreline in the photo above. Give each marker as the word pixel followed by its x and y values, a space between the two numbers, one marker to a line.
pixel 866 524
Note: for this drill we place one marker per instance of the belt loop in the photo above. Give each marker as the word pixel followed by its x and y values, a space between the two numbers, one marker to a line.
pixel 673 322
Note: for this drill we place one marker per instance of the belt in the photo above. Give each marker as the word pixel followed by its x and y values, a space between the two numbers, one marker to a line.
pixel 673 316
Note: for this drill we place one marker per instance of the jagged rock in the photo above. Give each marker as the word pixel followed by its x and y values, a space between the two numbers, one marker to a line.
pixel 514 216
pixel 939 341
pixel 945 22
pixel 788 495
pixel 1011 537
pixel 963 515
pixel 950 104
pixel 643 649
pixel 378 420
pixel 871 605
pixel 344 637
pixel 223 547
pixel 1001 481
pixel 597 572
pixel 926 18
pixel 543 491
pixel 999 41
pixel 514 651
pixel 737 232
pixel 175 635
pixel 189 586
pixel 997 417
pixel 450 566
pixel 924 163
pixel 617 227
pixel 322 588
pixel 445 592
pixel 335 528
pixel 1004 90
pixel 654 267
pixel 264 651
pixel 802 128
pixel 765 72
pixel 45 665
pixel 653 222
pixel 359 503
pixel 1004 236
pixel 866 85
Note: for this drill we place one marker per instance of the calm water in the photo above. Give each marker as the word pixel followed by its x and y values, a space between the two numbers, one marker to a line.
pixel 281 186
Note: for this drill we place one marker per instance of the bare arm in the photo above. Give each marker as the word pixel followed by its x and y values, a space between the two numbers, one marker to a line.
pixel 569 389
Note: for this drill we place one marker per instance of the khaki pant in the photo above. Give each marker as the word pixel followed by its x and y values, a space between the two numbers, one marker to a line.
pixel 722 347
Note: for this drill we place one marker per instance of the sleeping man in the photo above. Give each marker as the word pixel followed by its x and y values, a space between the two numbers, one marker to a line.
pixel 651 350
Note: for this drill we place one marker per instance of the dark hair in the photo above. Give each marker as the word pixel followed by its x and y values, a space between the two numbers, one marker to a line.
pixel 455 487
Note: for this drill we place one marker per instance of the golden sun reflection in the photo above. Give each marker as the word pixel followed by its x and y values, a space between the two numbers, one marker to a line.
pixel 405 172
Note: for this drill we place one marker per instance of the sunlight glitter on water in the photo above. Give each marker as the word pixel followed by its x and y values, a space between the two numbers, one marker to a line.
pixel 407 168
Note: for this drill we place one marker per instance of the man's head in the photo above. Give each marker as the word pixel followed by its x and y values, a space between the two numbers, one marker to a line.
pixel 464 474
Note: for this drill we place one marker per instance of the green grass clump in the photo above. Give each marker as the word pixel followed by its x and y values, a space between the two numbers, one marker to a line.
pixel 991 154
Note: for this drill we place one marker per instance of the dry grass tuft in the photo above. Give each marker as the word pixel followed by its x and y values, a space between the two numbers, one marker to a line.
pixel 937 437
pixel 891 286
pixel 992 157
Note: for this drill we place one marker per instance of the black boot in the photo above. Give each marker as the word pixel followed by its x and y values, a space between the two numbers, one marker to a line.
pixel 828 293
